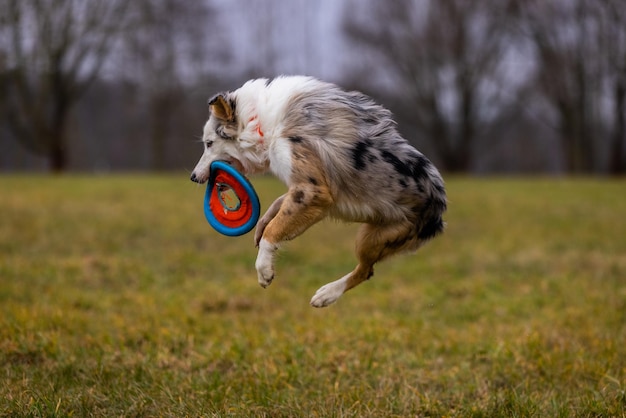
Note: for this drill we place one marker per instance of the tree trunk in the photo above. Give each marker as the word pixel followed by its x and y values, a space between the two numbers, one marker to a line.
pixel 61 110
pixel 57 155
pixel 617 165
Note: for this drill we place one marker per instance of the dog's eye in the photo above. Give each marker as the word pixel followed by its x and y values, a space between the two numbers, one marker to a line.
pixel 208 144
pixel 222 134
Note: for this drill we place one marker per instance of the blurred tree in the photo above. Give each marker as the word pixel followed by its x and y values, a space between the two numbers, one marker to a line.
pixel 51 52
pixel 447 60
pixel 612 15
pixel 172 44
pixel 581 56
pixel 564 78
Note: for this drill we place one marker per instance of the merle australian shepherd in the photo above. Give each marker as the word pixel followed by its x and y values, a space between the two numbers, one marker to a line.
pixel 340 155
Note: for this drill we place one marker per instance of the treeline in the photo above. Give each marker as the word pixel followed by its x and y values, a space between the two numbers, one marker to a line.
pixel 480 86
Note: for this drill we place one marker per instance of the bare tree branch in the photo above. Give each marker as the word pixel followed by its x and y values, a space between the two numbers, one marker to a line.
pixel 444 55
pixel 577 44
pixel 55 52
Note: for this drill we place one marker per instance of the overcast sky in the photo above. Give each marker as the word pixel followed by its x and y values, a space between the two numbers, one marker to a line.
pixel 295 37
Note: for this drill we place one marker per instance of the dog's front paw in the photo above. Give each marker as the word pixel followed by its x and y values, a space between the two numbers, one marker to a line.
pixel 265 275
pixel 266 219
pixel 328 294
pixel 264 263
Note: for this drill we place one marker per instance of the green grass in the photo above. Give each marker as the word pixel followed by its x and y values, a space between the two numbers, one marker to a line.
pixel 117 299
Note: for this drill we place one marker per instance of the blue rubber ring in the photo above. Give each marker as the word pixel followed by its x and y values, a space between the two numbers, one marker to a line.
pixel 254 201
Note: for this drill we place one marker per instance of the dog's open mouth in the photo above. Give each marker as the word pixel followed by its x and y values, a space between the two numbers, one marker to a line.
pixel 203 176
pixel 236 164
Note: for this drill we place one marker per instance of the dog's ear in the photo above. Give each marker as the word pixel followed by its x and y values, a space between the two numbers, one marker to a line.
pixel 222 107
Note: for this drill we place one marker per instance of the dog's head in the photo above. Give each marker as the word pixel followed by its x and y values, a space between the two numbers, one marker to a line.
pixel 220 137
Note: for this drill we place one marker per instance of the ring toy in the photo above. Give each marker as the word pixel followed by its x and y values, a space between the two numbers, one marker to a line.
pixel 231 205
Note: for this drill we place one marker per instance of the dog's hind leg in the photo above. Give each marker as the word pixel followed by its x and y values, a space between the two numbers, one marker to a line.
pixel 302 206
pixel 373 244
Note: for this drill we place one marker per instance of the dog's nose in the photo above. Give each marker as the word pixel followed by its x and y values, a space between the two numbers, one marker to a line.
pixel 194 178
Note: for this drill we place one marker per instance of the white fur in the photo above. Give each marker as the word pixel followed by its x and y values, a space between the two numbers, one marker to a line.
pixel 280 159
pixel 268 102
pixel 202 167
pixel 329 293
pixel 265 263
pixel 249 153
pixel 261 107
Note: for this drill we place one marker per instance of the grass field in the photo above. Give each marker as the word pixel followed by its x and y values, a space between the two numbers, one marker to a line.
pixel 117 299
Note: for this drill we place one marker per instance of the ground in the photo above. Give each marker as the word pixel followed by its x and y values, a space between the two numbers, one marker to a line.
pixel 118 299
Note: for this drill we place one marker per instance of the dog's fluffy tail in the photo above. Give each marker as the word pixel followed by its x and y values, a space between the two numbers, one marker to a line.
pixel 431 221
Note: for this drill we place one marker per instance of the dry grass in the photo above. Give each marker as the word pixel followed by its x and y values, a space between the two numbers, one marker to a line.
pixel 117 299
